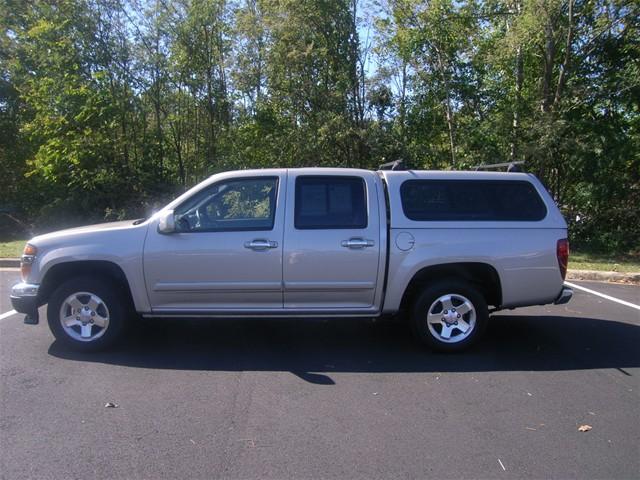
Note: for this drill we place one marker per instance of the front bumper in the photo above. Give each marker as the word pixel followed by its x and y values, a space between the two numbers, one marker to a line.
pixel 24 299
pixel 564 297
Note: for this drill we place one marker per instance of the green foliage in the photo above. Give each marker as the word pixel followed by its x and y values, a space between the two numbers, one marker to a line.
pixel 110 107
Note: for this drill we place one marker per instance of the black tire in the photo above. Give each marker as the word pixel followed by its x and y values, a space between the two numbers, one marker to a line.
pixel 434 337
pixel 114 302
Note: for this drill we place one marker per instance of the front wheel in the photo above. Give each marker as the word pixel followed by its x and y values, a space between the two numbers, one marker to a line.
pixel 87 314
pixel 449 316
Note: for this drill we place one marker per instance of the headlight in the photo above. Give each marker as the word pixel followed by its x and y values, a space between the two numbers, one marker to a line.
pixel 27 259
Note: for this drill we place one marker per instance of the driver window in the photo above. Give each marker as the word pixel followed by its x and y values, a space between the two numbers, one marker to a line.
pixel 231 205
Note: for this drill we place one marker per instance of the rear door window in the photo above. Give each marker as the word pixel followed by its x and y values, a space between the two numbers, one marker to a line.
pixel 330 202
pixel 471 200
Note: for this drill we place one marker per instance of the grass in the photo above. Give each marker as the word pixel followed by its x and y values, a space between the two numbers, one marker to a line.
pixel 598 261
pixel 12 249
pixel 577 260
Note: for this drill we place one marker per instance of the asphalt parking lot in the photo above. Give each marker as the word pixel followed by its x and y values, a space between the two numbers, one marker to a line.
pixel 329 398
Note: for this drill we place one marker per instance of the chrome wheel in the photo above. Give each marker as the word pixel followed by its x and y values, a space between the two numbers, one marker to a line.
pixel 84 316
pixel 451 318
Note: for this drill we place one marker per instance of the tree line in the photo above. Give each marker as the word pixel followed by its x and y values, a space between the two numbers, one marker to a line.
pixel 110 107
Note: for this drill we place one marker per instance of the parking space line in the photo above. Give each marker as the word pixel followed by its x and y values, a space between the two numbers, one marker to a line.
pixel 7 314
pixel 607 297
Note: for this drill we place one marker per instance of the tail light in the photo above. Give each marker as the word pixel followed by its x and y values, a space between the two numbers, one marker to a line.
pixel 28 256
pixel 562 252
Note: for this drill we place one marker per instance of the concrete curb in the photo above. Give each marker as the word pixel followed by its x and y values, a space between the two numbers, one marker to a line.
pixel 604 276
pixel 571 274
pixel 9 263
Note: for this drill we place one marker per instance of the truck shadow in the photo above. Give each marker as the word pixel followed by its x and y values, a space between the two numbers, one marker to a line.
pixel 313 349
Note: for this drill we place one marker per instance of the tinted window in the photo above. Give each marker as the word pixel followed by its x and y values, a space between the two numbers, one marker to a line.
pixel 239 204
pixel 471 200
pixel 330 202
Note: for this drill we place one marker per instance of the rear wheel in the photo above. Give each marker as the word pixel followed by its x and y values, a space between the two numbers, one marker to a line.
pixel 87 314
pixel 449 316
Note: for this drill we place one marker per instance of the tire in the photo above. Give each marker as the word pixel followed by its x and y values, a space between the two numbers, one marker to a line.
pixel 88 314
pixel 461 326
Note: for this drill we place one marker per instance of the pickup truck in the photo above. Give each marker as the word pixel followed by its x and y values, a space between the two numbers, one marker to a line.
pixel 446 248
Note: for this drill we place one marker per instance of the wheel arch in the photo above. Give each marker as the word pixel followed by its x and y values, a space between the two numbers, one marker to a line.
pixel 60 272
pixel 482 276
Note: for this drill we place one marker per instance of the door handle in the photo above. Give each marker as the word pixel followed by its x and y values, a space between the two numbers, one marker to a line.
pixel 260 244
pixel 357 243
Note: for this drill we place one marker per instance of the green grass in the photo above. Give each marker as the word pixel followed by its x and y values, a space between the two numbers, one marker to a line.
pixel 12 249
pixel 608 263
pixel 577 260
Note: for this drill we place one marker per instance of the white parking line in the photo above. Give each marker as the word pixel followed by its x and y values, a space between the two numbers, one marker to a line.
pixel 613 299
pixel 7 314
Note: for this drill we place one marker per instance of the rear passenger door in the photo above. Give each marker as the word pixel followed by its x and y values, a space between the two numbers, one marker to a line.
pixel 332 247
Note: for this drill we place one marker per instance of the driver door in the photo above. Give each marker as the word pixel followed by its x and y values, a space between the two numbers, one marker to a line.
pixel 226 253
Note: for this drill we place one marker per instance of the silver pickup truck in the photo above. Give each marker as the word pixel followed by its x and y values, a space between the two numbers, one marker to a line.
pixel 444 247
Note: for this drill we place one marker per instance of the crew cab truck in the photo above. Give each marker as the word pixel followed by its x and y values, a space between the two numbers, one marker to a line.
pixel 444 247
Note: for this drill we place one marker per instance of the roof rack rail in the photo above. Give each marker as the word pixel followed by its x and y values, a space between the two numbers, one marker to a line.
pixel 395 165
pixel 510 166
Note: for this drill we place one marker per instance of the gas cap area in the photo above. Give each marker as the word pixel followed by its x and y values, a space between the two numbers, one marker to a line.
pixel 405 241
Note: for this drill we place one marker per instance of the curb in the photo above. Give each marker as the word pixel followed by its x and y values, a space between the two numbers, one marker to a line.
pixel 604 276
pixel 9 263
pixel 571 274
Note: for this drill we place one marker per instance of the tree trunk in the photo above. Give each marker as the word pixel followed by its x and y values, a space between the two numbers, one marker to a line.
pixel 177 142
pixel 564 68
pixel 159 135
pixel 519 77
pixel 403 100
pixel 515 125
pixel 549 58
pixel 211 110
pixel 157 98
pixel 449 115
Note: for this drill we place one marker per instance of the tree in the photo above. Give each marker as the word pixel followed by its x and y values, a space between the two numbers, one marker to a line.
pixel 110 106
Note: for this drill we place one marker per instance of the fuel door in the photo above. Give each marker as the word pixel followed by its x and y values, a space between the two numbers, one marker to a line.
pixel 405 241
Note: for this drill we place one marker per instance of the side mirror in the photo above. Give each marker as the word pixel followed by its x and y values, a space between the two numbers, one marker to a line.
pixel 167 222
